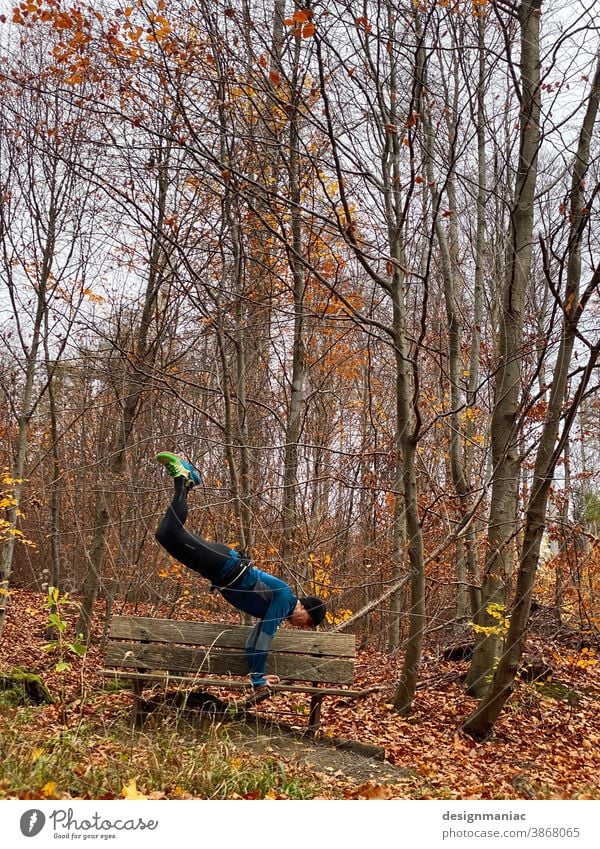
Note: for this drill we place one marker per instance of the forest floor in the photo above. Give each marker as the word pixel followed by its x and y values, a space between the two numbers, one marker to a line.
pixel 546 744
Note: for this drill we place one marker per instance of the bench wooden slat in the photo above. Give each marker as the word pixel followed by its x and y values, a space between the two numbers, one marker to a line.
pixel 229 636
pixel 218 662
pixel 226 684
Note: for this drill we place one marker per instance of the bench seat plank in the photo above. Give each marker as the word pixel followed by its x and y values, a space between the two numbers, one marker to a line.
pixel 148 656
pixel 228 636
pixel 226 684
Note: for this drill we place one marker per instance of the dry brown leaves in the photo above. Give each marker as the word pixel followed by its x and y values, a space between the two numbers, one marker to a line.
pixel 543 747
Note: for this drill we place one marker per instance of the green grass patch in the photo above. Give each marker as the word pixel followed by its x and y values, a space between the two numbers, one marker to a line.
pixel 116 685
pixel 560 692
pixel 167 761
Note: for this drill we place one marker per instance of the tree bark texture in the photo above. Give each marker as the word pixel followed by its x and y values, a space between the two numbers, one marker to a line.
pixel 503 520
pixel 481 722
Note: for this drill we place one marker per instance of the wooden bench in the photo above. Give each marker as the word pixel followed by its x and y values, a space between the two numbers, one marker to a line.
pixel 147 650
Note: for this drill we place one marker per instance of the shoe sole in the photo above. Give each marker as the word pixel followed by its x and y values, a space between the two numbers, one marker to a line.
pixel 172 464
pixel 260 696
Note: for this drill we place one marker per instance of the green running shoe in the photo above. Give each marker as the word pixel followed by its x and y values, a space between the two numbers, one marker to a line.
pixel 177 467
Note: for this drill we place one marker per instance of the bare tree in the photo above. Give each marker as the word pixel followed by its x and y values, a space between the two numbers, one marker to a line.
pixel 45 227
pixel 502 521
pixel 573 303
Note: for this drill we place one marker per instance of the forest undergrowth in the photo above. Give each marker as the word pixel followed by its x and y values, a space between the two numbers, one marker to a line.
pixel 545 746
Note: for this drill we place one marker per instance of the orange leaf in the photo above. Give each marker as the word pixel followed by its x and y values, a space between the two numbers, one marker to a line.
pixel 370 790
pixel 300 16
pixel 254 794
pixel 63 21
pixel 308 30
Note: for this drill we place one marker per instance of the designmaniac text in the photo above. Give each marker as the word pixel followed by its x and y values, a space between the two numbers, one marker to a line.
pixel 466 816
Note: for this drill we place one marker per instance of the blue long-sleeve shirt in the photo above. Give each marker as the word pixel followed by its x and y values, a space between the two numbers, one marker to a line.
pixel 270 600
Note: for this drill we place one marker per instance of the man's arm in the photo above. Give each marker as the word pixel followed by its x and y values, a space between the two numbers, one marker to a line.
pixel 261 637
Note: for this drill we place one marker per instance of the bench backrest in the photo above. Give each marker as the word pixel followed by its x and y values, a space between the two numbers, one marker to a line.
pixel 200 648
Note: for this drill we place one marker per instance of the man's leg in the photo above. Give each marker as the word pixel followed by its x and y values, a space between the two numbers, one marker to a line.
pixel 206 558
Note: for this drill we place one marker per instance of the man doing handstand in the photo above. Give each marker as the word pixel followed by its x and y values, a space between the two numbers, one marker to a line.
pixel 248 589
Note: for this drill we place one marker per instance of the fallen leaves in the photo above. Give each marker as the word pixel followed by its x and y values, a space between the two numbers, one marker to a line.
pixel 130 791
pixel 370 790
pixel 560 760
pixel 447 764
pixel 48 791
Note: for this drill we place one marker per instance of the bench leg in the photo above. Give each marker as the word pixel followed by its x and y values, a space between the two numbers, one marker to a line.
pixel 136 714
pixel 314 717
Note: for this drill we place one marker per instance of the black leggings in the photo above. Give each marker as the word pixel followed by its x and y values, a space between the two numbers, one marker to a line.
pixel 206 558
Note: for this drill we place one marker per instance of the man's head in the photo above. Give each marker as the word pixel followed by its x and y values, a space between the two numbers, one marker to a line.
pixel 308 613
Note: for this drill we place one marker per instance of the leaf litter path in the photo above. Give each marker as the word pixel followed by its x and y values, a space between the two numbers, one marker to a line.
pixel 358 769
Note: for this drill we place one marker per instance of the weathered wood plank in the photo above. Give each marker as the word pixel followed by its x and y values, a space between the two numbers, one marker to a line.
pixel 232 662
pixel 229 636
pixel 225 683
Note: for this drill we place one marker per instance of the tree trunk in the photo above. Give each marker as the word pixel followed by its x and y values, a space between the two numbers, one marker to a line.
pixel 295 407
pixel 137 376
pixel 28 403
pixel 480 264
pixel 481 722
pixel 54 393
pixel 502 528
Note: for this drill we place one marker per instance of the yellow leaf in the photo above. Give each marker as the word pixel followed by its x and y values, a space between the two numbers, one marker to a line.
pixel 36 753
pixel 130 791
pixel 48 790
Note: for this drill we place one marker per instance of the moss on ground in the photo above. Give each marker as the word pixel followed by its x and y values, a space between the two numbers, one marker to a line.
pixel 19 688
